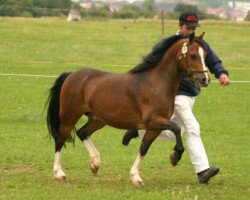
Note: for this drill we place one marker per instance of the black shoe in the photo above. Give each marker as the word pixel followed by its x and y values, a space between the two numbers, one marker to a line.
pixel 205 175
pixel 129 134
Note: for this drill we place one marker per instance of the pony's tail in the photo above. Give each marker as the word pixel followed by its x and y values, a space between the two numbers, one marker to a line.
pixel 53 104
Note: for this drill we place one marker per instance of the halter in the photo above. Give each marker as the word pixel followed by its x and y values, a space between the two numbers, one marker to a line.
pixel 192 75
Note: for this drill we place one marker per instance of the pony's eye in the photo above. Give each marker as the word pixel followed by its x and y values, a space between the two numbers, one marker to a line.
pixel 193 56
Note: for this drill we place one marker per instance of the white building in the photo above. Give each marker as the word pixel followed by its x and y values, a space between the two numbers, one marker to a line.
pixel 240 5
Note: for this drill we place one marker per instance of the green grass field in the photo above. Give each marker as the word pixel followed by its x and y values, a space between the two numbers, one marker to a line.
pixel 51 46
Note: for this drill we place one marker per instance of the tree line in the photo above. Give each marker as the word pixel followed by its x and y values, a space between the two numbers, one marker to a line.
pixel 40 8
pixel 34 8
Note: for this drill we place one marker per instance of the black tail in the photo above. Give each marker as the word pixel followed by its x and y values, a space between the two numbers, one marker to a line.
pixel 53 103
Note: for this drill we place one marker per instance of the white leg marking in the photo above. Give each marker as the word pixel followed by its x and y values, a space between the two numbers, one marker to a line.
pixel 134 172
pixel 57 169
pixel 201 53
pixel 94 154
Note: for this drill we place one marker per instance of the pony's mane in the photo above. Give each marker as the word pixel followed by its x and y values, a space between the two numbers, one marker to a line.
pixel 200 41
pixel 155 56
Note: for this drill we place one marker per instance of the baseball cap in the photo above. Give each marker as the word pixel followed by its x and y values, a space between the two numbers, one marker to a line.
pixel 189 18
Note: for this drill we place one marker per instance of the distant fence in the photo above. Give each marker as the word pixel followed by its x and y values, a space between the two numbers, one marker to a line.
pixel 55 76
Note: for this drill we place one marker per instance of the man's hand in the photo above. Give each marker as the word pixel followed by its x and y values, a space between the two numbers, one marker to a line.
pixel 224 79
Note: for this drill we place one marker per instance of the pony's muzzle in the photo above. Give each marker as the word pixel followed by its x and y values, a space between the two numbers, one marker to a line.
pixel 202 81
pixel 205 81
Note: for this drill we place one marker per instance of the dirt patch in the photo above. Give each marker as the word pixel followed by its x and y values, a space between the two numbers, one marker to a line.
pixel 17 169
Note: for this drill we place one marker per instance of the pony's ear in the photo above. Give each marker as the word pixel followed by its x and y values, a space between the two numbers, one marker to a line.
pixel 191 38
pixel 201 35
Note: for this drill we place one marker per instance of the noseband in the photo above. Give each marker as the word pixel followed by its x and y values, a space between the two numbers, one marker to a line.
pixel 192 74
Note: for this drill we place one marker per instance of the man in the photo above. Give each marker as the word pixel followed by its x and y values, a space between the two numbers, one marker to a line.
pixel 184 101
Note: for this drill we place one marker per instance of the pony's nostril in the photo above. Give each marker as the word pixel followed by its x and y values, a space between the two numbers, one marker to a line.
pixel 205 81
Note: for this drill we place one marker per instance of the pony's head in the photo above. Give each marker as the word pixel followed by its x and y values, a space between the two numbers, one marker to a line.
pixel 191 58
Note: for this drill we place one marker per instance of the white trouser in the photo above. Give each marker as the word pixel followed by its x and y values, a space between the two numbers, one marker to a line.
pixel 184 117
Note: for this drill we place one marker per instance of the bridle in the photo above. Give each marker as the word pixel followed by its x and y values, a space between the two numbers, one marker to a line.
pixel 192 74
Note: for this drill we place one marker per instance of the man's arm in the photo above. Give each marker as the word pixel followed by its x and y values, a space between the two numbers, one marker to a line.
pixel 224 79
pixel 215 66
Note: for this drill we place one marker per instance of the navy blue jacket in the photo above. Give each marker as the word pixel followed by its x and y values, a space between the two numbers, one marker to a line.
pixel 214 65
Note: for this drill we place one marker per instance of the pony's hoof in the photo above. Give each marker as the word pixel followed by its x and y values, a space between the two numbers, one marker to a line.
pixel 60 178
pixel 173 159
pixel 138 183
pixel 136 180
pixel 59 175
pixel 94 168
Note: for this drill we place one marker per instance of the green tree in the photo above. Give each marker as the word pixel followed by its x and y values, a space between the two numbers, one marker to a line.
pixel 15 8
pixel 149 8
pixel 40 3
pixel 182 7
pixel 63 4
pixel 248 16
pixel 128 11
pixel 35 8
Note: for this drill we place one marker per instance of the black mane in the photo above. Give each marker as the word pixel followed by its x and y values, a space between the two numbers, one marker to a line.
pixel 155 56
pixel 200 41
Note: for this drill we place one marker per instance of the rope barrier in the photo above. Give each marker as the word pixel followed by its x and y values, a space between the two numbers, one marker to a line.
pixel 54 76
pixel 81 64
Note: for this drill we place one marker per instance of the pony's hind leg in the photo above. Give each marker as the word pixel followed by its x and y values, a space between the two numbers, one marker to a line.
pixel 59 142
pixel 64 110
pixel 57 169
pixel 67 123
pixel 84 134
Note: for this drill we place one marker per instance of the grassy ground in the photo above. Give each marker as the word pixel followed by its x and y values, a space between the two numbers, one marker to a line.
pixel 51 46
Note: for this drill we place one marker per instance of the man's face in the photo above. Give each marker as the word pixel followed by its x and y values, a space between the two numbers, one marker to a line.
pixel 186 30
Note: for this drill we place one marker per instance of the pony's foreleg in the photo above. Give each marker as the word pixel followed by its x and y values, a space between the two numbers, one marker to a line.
pixel 163 124
pixel 148 138
pixel 175 157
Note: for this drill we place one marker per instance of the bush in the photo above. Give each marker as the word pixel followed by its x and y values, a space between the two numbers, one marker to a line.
pixel 128 11
pixel 248 16
pixel 35 8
